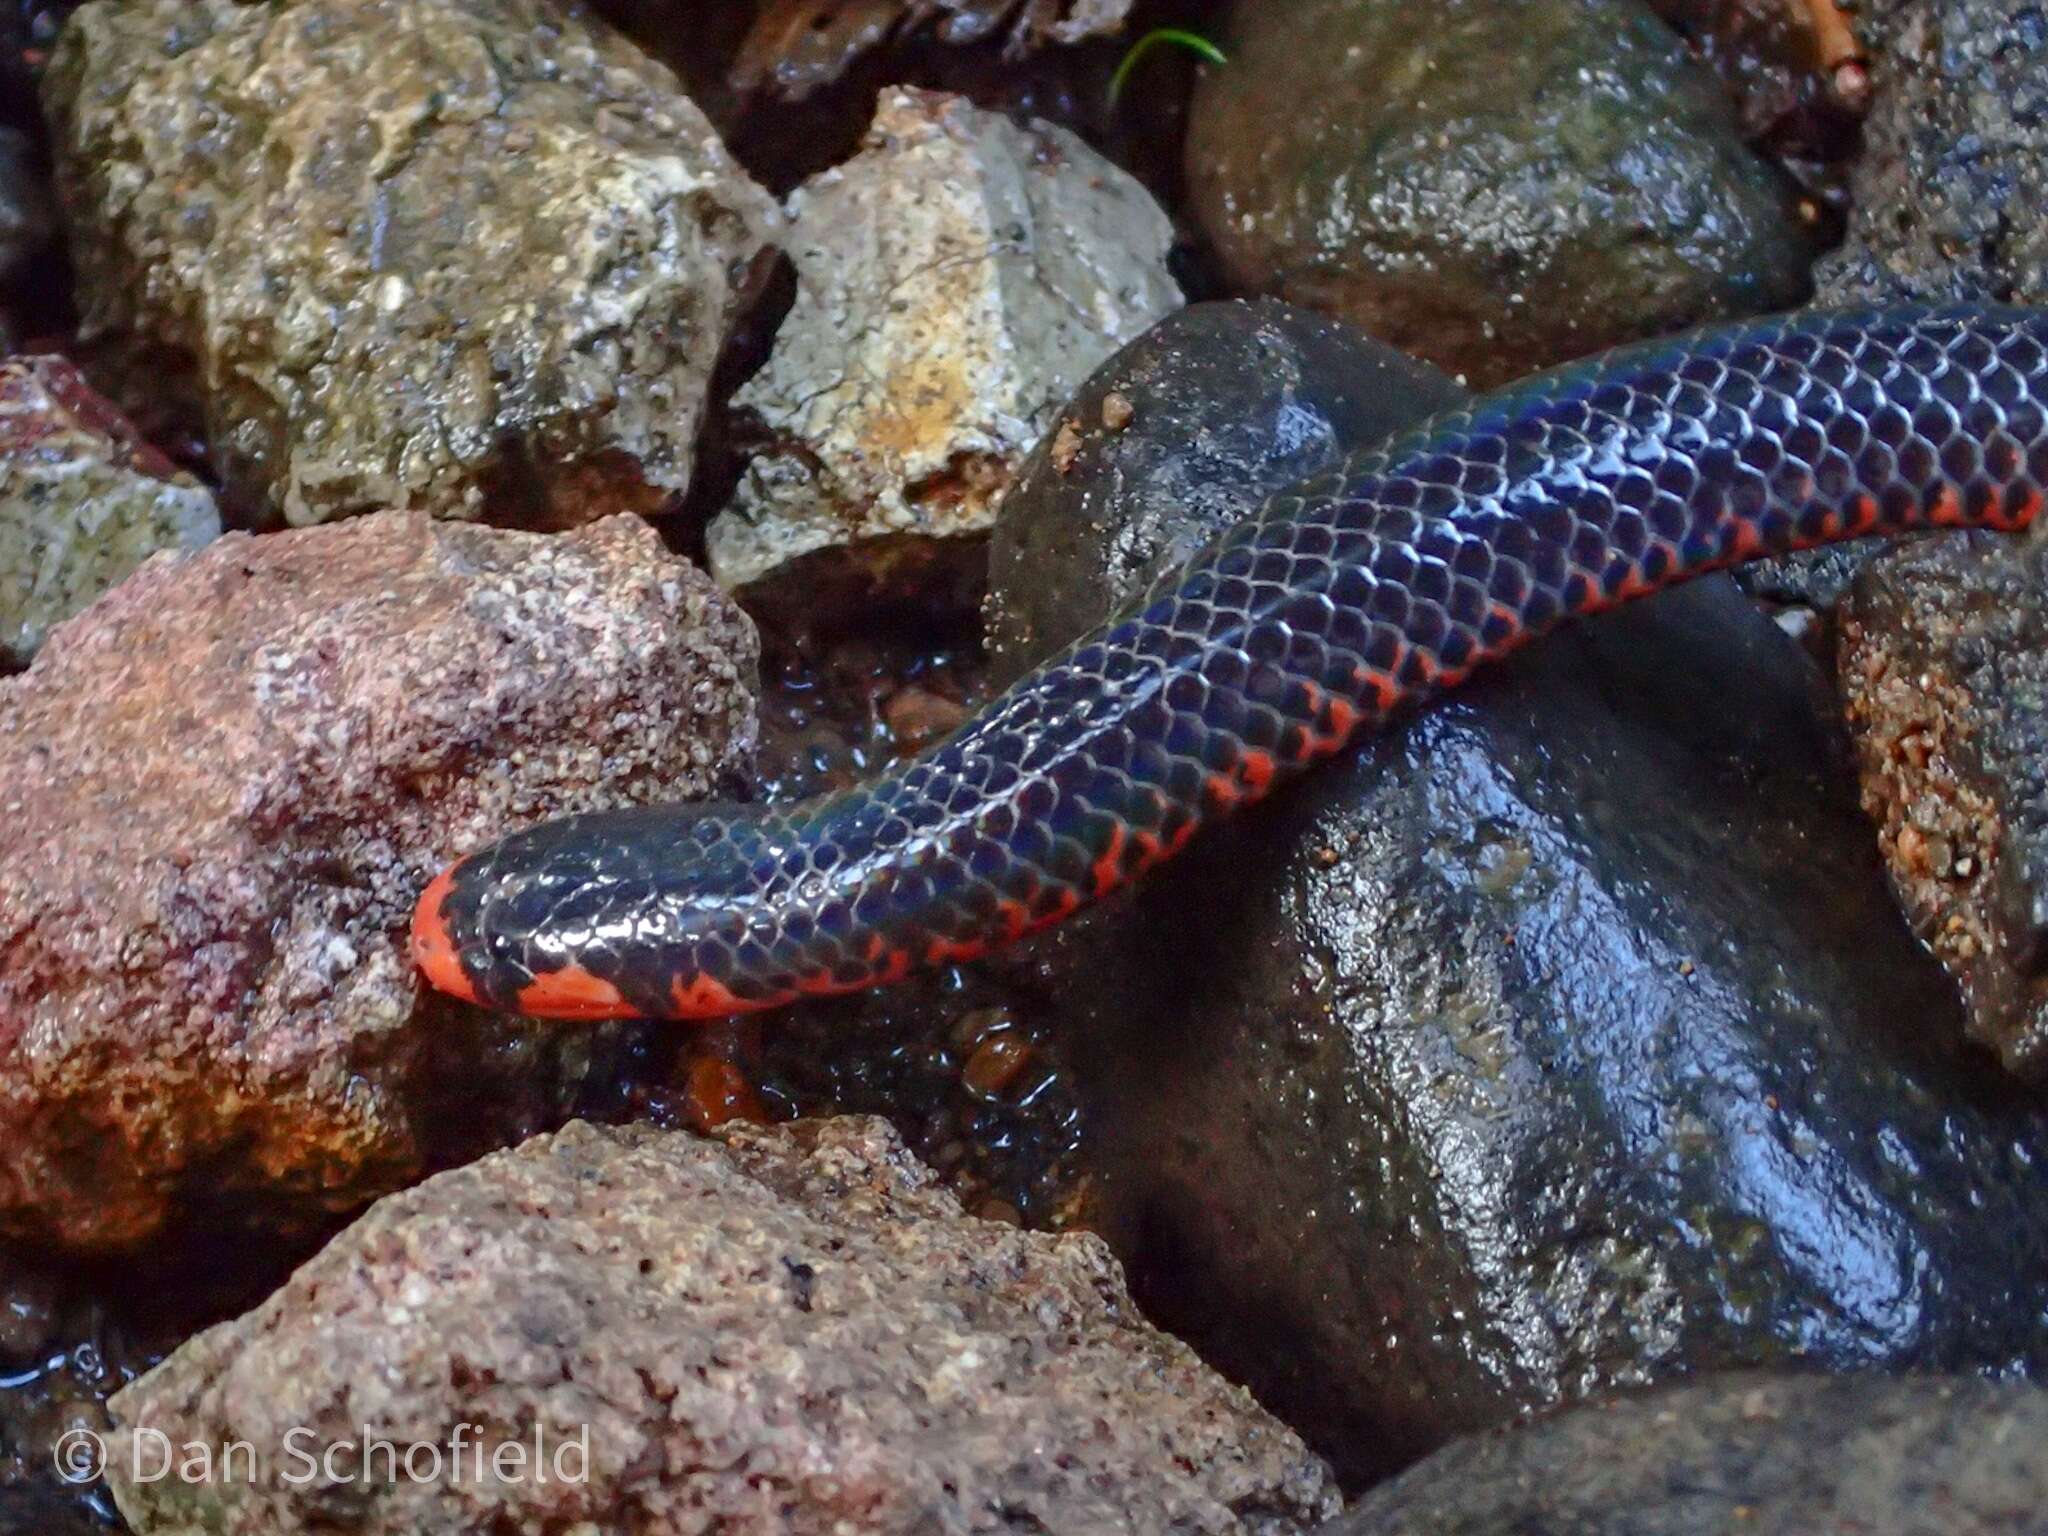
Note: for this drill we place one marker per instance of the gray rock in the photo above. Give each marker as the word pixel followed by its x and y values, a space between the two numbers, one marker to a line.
pixel 1178 436
pixel 1944 669
pixel 1949 191
pixel 955 280
pixel 1762 1455
pixel 1562 1037
pixel 1492 185
pixel 473 257
pixel 83 501
pixel 789 1331
pixel 241 766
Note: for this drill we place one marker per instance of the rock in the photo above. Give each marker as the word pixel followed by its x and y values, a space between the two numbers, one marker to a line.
pixel 954 281
pixel 796 46
pixel 1946 196
pixel 83 500
pixel 27 221
pixel 1946 690
pixel 1489 184
pixel 1764 1455
pixel 1179 435
pixel 241 766
pixel 786 1330
pixel 1948 192
pixel 1944 669
pixel 472 257
pixel 1562 1037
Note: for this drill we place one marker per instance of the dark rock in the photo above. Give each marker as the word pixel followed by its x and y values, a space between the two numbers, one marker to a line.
pixel 1562 1037
pixel 1952 184
pixel 1489 184
pixel 1800 94
pixel 1176 437
pixel 1948 194
pixel 29 1315
pixel 1763 1455
pixel 1944 672
pixel 240 766
pixel 781 1331
pixel 1944 667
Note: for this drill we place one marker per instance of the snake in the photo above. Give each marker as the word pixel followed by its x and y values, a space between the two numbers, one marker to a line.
pixel 1340 601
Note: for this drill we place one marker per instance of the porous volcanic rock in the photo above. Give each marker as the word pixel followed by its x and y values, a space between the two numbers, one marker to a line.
pixel 786 1330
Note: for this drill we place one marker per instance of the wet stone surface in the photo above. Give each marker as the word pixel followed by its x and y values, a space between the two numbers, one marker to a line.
pixel 1947 192
pixel 494 286
pixel 1178 436
pixel 1493 186
pixel 1760 1454
pixel 954 281
pixel 248 762
pixel 1562 1037
pixel 1949 188
pixel 83 501
pixel 796 46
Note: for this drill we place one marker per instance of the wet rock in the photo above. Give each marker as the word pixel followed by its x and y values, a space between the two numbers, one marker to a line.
pixel 1944 669
pixel 465 256
pixel 788 1330
pixel 1562 1037
pixel 1179 435
pixel 27 220
pixel 241 766
pixel 1492 186
pixel 1764 1455
pixel 83 500
pixel 796 46
pixel 1950 187
pixel 955 280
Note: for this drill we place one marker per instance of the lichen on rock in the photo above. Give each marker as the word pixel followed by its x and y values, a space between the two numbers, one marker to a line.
pixel 470 257
pixel 83 500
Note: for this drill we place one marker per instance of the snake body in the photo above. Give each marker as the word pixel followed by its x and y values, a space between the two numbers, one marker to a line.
pixel 1339 601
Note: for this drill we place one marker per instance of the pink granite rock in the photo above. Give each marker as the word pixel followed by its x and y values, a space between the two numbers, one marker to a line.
pixel 786 1332
pixel 227 782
